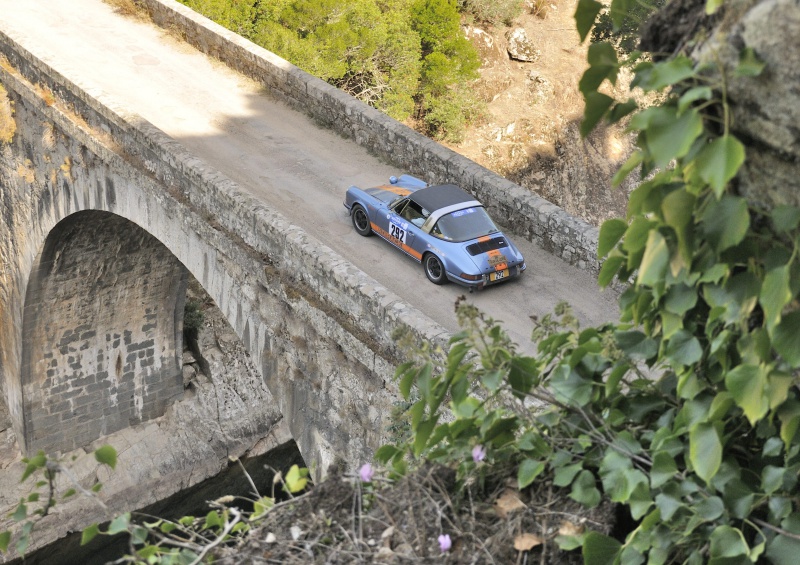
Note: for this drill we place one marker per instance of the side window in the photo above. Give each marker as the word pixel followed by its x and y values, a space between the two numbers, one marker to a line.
pixel 413 213
pixel 399 206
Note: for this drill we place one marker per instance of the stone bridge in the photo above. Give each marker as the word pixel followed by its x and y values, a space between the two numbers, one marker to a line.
pixel 102 217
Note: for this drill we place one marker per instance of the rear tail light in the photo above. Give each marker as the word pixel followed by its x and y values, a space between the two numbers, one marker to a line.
pixel 471 277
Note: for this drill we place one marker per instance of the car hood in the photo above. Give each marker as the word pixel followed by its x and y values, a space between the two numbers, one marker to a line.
pixel 387 193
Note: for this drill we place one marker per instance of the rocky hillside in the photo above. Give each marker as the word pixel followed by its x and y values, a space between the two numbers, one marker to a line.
pixel 529 80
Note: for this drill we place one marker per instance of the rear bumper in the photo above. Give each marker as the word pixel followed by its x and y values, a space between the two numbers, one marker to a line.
pixel 513 273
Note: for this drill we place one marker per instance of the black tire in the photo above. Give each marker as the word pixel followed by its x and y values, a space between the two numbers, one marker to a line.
pixel 434 269
pixel 360 220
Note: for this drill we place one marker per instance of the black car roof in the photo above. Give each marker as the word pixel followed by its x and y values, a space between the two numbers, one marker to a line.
pixel 439 196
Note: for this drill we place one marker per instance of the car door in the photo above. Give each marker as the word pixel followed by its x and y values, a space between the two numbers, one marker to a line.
pixel 398 230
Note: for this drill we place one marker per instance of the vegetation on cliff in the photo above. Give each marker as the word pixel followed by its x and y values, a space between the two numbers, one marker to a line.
pixel 407 58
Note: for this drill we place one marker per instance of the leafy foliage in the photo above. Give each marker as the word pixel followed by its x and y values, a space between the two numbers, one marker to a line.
pixel 686 411
pixel 45 494
pixel 405 57
pixel 492 11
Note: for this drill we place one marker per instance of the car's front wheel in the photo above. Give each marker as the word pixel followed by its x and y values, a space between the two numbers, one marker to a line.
pixel 434 269
pixel 361 220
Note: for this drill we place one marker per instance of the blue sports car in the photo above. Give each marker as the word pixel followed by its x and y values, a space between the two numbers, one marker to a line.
pixel 443 227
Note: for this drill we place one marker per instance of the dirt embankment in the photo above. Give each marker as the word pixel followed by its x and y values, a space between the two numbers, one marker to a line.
pixel 531 132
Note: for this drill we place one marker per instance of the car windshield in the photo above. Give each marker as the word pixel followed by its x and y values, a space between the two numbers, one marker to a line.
pixel 463 225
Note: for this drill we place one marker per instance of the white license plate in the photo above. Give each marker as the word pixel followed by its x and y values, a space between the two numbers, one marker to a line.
pixel 498 275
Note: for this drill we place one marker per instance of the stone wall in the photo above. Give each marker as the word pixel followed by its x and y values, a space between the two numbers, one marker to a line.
pixel 103 344
pixel 527 215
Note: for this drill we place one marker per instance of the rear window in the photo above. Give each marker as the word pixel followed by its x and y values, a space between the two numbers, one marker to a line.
pixel 463 225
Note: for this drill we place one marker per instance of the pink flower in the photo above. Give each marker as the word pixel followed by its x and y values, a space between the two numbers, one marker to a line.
pixel 478 453
pixel 366 473
pixel 444 543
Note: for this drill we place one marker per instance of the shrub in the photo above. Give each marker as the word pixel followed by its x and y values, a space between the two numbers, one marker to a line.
pixel 492 11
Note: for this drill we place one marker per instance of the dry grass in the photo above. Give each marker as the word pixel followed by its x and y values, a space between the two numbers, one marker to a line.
pixel 45 94
pixel 25 171
pixel 344 521
pixel 128 8
pixel 8 126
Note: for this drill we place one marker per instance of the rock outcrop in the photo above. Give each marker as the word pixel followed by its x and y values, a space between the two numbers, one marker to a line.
pixel 765 109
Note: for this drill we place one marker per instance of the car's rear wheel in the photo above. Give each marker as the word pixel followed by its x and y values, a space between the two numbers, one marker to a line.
pixel 434 269
pixel 361 220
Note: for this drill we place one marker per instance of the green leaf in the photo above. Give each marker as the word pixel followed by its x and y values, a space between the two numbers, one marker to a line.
pixel 5 539
pixel 564 476
pixel 407 374
pixel 668 73
pixel 522 375
pixel 603 64
pixel 36 462
pixel 584 490
pixel 622 109
pixel 213 520
pixel 529 469
pixel 669 136
pixel 610 269
pixel 772 478
pixel 705 450
pixel 680 299
pixel 422 433
pixel 89 533
pixel 785 218
pixel 387 452
pixel 636 345
pixel 599 549
pixel 789 415
pixel 620 11
pixel 775 294
pixel 597 104
pixel 749 63
pixel 709 508
pixel 655 260
pixel 569 387
pixel 20 513
pixel 693 95
pixel 678 211
pixel 786 339
pixel 119 524
pixel 637 234
pixel 726 222
pixel 296 479
pixel 610 233
pixel 664 469
pixel 778 386
pixel 684 349
pixel 106 455
pixel 633 161
pixel 718 162
pixel 783 550
pixel 585 15
pixel 727 542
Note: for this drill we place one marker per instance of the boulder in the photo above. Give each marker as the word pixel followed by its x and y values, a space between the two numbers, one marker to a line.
pixel 520 47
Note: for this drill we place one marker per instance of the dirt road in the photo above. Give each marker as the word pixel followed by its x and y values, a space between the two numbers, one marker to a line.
pixel 274 153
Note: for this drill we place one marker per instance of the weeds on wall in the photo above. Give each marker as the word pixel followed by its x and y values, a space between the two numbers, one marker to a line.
pixel 8 127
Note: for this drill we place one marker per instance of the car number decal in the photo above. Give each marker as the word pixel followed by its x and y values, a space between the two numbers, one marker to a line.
pixel 397 232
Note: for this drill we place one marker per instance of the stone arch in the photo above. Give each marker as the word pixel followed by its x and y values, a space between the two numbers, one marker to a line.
pixel 101 332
